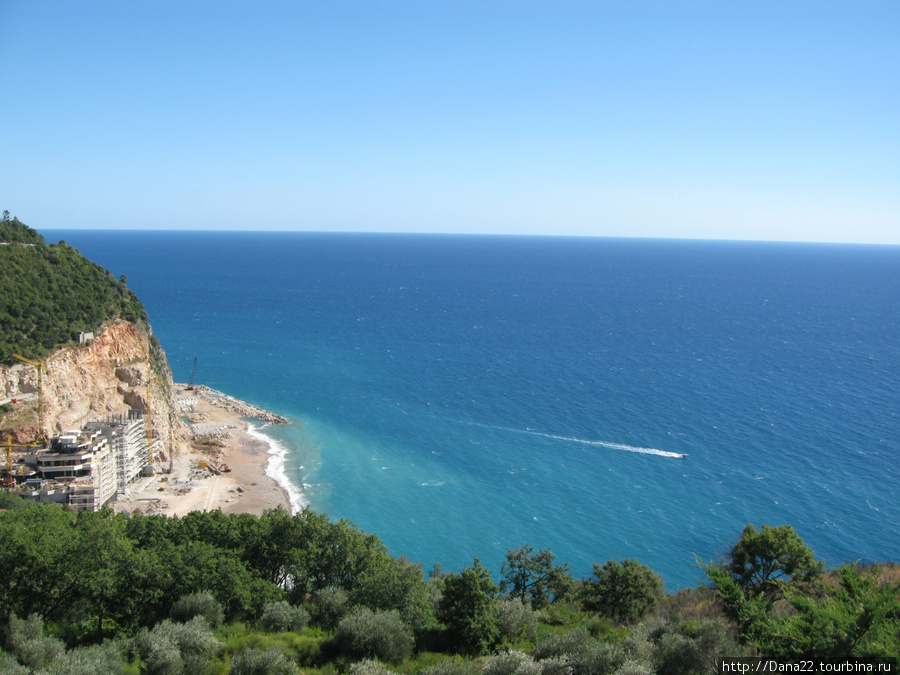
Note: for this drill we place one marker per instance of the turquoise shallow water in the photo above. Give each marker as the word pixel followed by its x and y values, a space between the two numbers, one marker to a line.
pixel 459 396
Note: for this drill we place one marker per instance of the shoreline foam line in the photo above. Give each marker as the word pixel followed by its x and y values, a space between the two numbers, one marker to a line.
pixel 275 468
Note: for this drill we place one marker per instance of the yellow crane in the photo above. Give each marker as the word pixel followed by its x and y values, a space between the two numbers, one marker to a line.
pixel 41 367
pixel 10 481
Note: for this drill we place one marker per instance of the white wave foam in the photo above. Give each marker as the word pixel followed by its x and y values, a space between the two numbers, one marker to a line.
pixel 275 467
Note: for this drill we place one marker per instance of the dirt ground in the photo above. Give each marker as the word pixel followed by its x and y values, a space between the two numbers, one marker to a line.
pixel 245 489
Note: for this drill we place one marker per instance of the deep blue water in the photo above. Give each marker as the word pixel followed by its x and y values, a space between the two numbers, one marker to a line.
pixel 462 395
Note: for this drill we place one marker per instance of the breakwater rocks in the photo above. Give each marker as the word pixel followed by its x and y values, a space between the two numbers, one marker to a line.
pixel 232 404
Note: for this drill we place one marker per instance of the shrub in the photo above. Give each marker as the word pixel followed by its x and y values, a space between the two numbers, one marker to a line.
pixel 173 648
pixel 633 668
pixel 330 607
pixel 454 666
pixel 512 662
pixel 198 604
pixel 370 667
pixel 9 665
pixel 253 661
pixel 30 645
pixel 106 658
pixel 380 635
pixel 281 616
pixel 692 647
pixel 557 665
pixel 551 645
pixel 517 619
pixel 586 655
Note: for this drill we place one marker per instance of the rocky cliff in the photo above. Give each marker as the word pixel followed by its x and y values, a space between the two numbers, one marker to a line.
pixel 120 371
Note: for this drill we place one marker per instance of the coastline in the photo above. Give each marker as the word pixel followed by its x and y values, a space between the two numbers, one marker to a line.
pixel 218 434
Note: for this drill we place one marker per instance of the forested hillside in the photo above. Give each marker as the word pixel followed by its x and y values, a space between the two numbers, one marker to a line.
pixel 239 594
pixel 50 292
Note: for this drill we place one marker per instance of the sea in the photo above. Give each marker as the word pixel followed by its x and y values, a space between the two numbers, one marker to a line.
pixel 462 396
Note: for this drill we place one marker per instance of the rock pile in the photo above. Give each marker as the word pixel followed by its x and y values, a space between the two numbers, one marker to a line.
pixel 221 400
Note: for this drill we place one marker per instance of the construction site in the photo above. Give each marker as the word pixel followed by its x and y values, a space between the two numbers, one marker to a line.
pixel 124 461
pixel 84 468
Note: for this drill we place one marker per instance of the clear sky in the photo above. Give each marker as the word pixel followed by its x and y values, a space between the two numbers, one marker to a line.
pixel 728 119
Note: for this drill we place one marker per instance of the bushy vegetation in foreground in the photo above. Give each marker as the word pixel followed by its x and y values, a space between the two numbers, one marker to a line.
pixel 214 593
pixel 50 292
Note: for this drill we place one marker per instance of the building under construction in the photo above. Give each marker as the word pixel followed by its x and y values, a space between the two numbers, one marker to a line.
pixel 86 468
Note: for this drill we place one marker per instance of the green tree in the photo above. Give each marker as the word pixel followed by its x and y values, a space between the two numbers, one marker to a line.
pixel 763 557
pixel 624 591
pixel 104 562
pixel 36 575
pixel 467 606
pixel 857 617
pixel 758 571
pixel 391 583
pixel 533 576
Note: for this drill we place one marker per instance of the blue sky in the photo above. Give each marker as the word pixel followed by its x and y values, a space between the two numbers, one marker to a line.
pixel 728 120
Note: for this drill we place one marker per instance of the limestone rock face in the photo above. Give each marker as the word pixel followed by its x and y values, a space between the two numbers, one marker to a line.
pixel 110 376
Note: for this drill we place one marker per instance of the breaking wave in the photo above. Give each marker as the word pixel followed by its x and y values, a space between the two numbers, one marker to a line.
pixel 275 467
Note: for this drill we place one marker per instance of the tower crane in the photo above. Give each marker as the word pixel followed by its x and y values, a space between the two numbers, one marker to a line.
pixel 10 481
pixel 41 367
pixel 190 386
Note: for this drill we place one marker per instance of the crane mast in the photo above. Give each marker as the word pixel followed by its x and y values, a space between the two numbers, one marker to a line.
pixel 41 367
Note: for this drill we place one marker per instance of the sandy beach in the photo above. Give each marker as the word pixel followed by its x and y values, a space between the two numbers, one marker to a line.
pixel 217 438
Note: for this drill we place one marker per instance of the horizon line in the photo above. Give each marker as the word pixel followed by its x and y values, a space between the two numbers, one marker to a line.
pixel 464 234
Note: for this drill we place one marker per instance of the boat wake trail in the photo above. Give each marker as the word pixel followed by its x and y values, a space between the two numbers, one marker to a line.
pixel 611 446
pixel 583 441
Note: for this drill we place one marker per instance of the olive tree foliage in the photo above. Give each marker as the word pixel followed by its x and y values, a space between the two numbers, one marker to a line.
pixel 176 648
pixel 452 666
pixel 281 616
pixel 198 604
pixel 254 661
pixel 679 647
pixel 511 662
pixel 107 658
pixel 533 576
pixel 467 609
pixel 329 607
pixel 31 647
pixel 623 592
pixel 370 667
pixel 9 665
pixel 380 635
pixel 35 652
pixel 581 652
pixel 516 619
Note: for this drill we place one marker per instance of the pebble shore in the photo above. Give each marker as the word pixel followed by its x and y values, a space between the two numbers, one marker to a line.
pixel 234 405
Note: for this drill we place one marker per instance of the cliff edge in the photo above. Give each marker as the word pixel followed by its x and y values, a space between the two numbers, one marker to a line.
pixel 123 369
